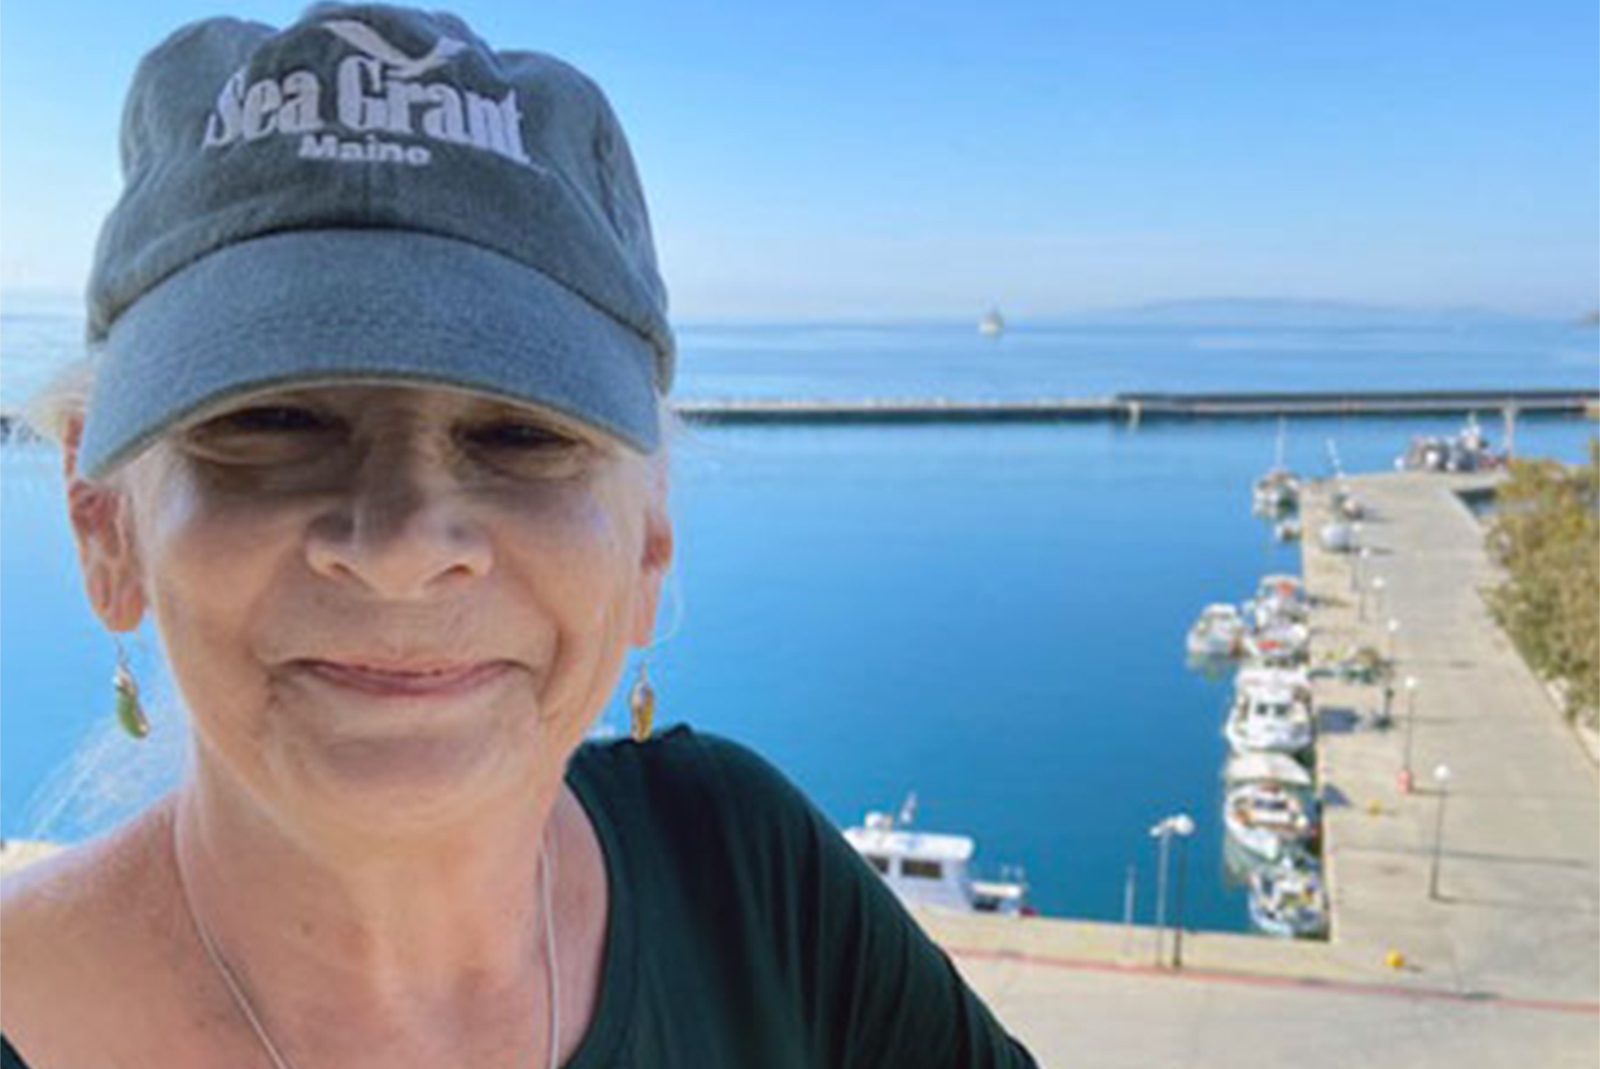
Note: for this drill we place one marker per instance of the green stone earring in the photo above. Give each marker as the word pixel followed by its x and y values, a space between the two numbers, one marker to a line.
pixel 130 713
pixel 642 704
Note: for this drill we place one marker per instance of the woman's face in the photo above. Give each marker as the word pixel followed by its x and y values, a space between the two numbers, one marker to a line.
pixel 384 603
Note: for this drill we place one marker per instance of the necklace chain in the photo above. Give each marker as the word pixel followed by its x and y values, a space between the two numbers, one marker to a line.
pixel 279 1061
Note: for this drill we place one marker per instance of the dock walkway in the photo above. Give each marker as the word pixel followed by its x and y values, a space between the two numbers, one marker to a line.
pixel 1502 969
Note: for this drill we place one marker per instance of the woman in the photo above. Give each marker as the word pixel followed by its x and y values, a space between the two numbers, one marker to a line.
pixel 376 436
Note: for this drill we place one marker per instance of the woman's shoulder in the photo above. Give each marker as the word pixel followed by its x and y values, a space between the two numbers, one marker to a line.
pixel 69 924
pixel 691 767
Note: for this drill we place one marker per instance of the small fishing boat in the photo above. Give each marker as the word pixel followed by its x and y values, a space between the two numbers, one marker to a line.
pixel 1280 644
pixel 993 324
pixel 1466 450
pixel 1279 598
pixel 1268 720
pixel 1218 633
pixel 1287 530
pixel 1289 901
pixel 932 869
pixel 1268 808
pixel 1265 677
pixel 1277 492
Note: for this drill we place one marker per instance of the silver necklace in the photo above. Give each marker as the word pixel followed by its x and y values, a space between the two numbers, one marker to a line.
pixel 279 1061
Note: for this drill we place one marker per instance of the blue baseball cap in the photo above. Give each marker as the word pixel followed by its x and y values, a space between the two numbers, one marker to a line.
pixel 370 195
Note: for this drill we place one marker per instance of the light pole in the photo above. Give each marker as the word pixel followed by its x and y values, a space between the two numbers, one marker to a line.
pixel 1394 626
pixel 1362 556
pixel 1441 776
pixel 1411 727
pixel 1355 557
pixel 1378 586
pixel 1177 824
pixel 1183 827
pixel 1129 889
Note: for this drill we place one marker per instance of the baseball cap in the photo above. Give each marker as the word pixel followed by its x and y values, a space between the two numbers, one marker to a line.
pixel 371 194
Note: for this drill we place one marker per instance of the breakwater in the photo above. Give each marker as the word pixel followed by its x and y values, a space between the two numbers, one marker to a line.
pixel 1135 408
pixel 1132 408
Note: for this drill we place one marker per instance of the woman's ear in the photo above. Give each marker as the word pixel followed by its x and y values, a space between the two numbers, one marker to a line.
pixel 102 526
pixel 655 559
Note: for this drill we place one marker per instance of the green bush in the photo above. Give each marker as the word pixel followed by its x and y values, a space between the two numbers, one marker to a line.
pixel 1546 534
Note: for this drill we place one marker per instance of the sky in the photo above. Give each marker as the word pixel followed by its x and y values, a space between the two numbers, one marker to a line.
pixel 880 159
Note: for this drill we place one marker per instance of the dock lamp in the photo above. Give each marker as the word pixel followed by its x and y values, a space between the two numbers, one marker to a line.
pixel 1441 777
pixel 1181 825
pixel 1404 778
pixel 1356 552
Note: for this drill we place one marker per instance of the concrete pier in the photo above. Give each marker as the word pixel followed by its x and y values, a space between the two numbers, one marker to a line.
pixel 1135 409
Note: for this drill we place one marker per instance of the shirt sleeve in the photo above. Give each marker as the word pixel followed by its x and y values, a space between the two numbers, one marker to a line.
pixel 877 992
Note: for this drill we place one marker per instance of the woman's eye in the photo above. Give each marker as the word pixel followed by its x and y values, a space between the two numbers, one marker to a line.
pixel 267 419
pixel 513 435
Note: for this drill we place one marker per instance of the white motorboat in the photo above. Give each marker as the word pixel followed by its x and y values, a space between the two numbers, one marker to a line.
pixel 1268 808
pixel 1276 493
pixel 932 869
pixel 1287 530
pixel 1279 597
pixel 1289 901
pixel 1218 633
pixel 1268 719
pixel 993 324
pixel 1259 677
pixel 1466 450
pixel 1278 645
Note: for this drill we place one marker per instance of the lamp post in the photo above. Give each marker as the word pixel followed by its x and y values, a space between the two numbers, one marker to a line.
pixel 1379 584
pixel 1177 824
pixel 1182 827
pixel 1355 557
pixel 1362 556
pixel 1411 727
pixel 1441 776
pixel 1393 626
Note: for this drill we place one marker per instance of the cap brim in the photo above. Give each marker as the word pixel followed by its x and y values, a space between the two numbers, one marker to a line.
pixel 330 306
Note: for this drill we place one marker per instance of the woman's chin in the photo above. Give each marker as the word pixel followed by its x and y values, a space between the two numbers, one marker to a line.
pixel 394 783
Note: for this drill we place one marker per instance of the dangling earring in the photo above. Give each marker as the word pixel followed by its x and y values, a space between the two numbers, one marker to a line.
pixel 130 713
pixel 642 703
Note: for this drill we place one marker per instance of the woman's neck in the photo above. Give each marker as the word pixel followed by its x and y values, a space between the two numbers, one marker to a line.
pixel 338 935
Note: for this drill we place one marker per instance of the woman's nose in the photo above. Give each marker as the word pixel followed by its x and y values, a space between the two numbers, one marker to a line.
pixel 401 534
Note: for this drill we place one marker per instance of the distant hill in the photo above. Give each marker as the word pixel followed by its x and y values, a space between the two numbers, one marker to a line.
pixel 1267 312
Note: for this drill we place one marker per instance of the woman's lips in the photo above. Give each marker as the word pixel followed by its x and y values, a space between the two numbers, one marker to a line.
pixel 398 683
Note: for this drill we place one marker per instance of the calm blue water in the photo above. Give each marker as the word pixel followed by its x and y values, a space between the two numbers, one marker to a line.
pixel 993 616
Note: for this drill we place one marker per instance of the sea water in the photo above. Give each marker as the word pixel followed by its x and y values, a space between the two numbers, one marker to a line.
pixel 990 615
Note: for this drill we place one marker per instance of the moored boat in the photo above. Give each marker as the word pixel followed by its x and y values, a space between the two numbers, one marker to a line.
pixel 1268 808
pixel 1289 901
pixel 934 869
pixel 1218 633
pixel 1270 719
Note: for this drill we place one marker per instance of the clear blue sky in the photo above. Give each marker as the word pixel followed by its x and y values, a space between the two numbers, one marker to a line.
pixel 864 159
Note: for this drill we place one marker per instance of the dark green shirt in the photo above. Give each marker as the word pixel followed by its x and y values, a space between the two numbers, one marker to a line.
pixel 745 933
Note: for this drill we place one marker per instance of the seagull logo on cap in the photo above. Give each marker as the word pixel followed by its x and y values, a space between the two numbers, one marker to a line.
pixel 360 35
